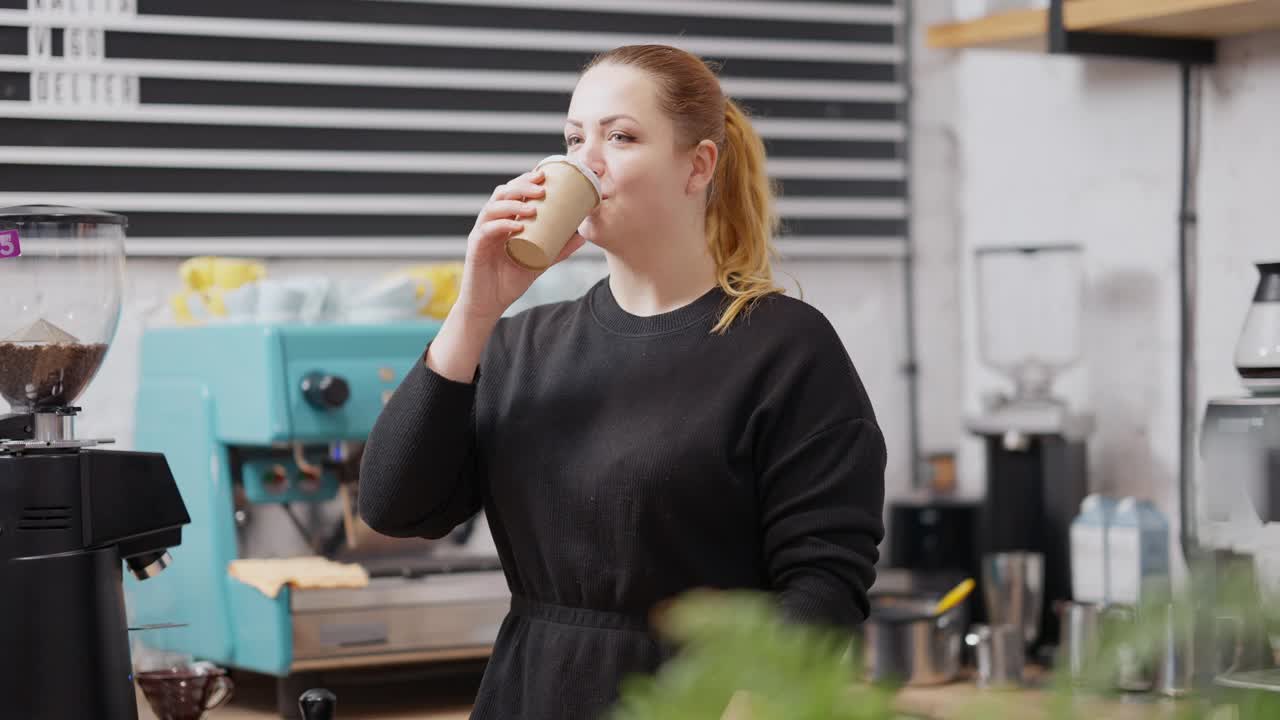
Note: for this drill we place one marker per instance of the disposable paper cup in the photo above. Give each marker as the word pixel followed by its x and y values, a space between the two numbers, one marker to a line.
pixel 572 192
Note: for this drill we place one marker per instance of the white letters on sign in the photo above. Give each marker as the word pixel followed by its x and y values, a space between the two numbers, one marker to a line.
pixel 39 42
pixel 63 80
pixel 84 44
pixel 39 88
pixel 84 8
pixel 82 89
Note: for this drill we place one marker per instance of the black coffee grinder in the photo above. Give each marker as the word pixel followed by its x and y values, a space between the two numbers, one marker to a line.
pixel 71 515
pixel 1029 307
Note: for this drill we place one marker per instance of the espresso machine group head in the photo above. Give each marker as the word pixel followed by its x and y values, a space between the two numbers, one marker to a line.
pixel 71 515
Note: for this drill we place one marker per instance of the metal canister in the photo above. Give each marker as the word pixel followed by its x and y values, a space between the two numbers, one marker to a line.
pixel 1080 622
pixel 905 641
pixel 1001 653
pixel 1133 669
pixel 1175 673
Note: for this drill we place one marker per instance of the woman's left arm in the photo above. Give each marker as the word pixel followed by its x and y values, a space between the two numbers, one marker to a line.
pixel 820 462
pixel 821 517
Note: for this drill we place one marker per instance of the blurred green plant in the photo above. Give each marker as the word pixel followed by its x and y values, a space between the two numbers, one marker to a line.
pixel 736 648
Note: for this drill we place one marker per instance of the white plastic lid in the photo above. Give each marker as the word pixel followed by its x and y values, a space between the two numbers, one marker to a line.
pixel 582 168
pixel 1099 501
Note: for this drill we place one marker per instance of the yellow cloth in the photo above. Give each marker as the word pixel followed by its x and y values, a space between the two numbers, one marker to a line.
pixel 205 279
pixel 202 273
pixel 442 280
pixel 270 574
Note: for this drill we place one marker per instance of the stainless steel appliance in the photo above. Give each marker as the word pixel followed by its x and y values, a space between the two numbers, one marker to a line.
pixel 1029 305
pixel 71 514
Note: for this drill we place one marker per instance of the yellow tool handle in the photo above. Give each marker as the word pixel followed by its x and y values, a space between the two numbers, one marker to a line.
pixel 955 597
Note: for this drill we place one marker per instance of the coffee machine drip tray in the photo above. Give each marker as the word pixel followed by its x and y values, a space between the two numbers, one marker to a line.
pixel 396 619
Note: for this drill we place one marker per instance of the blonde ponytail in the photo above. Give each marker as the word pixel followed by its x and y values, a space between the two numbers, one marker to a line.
pixel 740 214
pixel 741 219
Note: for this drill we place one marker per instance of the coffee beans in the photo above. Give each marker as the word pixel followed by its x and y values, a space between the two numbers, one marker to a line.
pixel 36 375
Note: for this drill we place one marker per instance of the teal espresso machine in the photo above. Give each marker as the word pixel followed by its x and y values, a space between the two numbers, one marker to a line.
pixel 263 427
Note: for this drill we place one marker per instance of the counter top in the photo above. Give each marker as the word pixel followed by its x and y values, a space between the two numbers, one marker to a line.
pixel 450 699
pixel 444 698
pixel 964 700
pixel 237 711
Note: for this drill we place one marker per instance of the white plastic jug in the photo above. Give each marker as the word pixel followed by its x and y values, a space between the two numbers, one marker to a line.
pixel 1138 551
pixel 1089 555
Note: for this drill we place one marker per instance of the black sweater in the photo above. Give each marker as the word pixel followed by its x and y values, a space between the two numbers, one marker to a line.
pixel 621 460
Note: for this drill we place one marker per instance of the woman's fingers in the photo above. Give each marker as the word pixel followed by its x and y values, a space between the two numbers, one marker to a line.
pixel 495 209
pixel 498 230
pixel 528 185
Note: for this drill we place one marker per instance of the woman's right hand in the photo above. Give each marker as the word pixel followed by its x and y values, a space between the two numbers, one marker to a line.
pixel 491 281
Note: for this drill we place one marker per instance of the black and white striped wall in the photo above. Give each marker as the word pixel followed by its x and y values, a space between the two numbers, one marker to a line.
pixel 378 127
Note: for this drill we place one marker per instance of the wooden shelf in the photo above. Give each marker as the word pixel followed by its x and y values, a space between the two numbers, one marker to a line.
pixel 1026 29
pixel 1016 29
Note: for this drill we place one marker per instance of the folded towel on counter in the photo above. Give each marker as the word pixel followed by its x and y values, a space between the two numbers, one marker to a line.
pixel 270 574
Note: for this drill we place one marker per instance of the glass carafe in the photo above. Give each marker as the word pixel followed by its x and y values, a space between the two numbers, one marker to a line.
pixel 1258 350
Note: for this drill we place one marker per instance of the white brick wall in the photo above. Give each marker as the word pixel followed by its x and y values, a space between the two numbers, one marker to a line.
pixel 1058 149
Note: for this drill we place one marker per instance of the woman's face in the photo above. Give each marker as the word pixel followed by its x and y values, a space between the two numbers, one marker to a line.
pixel 615 126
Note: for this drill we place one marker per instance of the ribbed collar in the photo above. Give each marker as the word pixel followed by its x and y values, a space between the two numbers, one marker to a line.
pixel 607 312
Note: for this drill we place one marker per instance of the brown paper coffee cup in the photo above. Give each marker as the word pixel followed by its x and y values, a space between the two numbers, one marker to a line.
pixel 572 192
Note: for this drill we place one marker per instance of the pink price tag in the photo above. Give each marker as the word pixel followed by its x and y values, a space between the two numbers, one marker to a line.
pixel 9 245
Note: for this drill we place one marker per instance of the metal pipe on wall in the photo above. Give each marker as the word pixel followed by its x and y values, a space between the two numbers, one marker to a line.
pixel 1188 253
pixel 910 365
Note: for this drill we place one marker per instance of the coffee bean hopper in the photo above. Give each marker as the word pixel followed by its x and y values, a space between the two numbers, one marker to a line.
pixel 71 514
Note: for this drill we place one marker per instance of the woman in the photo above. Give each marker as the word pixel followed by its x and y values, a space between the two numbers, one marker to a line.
pixel 681 425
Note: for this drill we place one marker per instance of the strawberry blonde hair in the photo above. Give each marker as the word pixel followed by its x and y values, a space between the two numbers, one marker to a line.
pixel 740 218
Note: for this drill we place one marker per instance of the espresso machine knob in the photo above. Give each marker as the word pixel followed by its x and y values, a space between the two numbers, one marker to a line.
pixel 318 704
pixel 325 391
